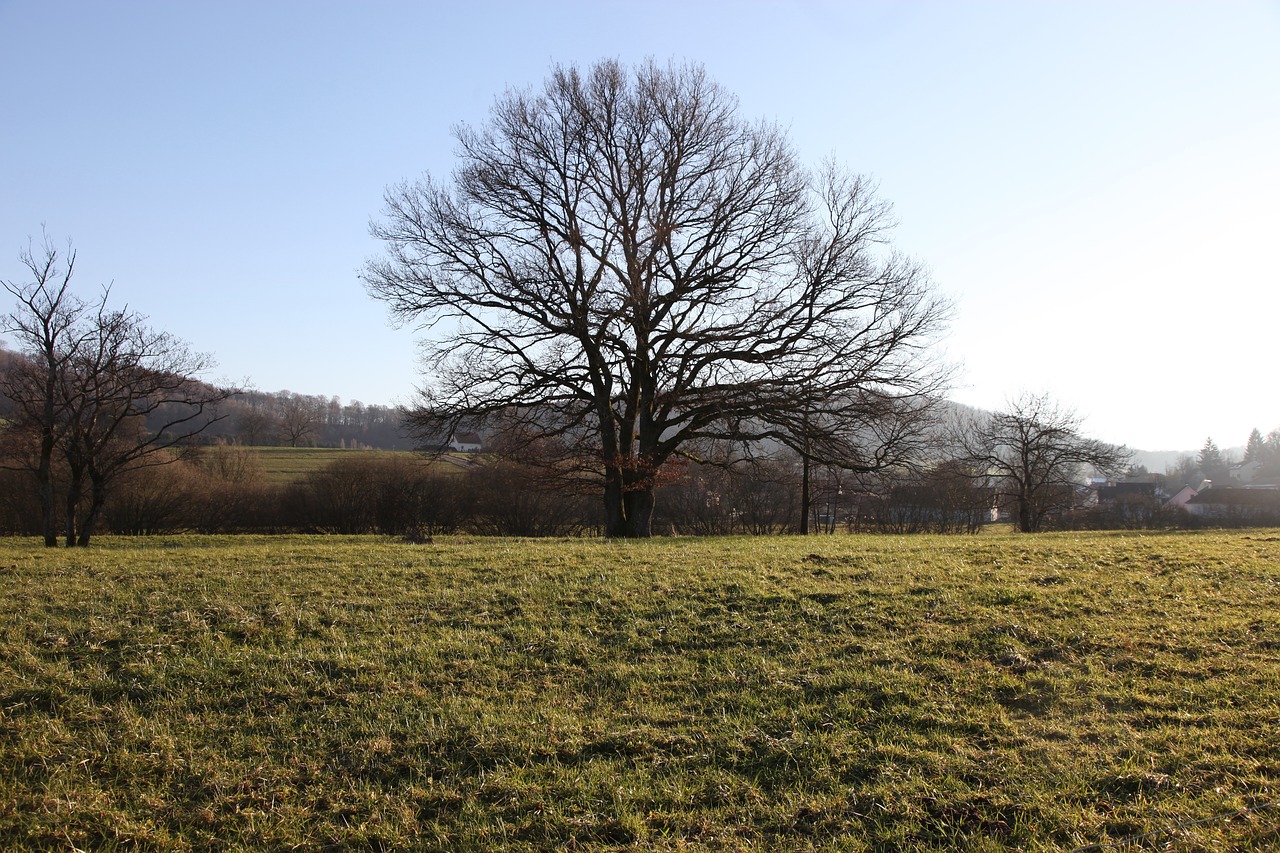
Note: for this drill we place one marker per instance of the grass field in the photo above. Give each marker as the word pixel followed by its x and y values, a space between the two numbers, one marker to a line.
pixel 832 693
pixel 285 464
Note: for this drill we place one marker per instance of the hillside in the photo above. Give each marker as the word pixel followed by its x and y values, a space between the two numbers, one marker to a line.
pixel 286 464
pixel 1158 461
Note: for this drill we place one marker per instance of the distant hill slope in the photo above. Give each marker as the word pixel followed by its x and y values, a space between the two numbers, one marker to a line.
pixel 286 464
pixel 1159 461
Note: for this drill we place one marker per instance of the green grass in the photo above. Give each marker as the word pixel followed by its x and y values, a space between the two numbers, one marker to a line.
pixel 830 693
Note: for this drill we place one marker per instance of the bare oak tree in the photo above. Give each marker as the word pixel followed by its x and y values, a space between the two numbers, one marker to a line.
pixel 625 266
pixel 1035 455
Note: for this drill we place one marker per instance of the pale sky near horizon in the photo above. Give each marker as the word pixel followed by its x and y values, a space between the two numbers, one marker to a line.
pixel 1096 185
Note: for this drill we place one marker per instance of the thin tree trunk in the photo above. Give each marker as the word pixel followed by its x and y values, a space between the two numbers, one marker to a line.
pixel 75 485
pixel 76 471
pixel 804 497
pixel 48 506
pixel 97 500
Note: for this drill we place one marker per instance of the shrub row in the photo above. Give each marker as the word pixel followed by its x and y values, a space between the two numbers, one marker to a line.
pixel 224 490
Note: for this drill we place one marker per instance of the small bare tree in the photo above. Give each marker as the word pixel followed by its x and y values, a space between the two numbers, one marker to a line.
pixel 101 390
pixel 300 417
pixel 254 422
pixel 47 324
pixel 132 399
pixel 624 265
pixel 1035 455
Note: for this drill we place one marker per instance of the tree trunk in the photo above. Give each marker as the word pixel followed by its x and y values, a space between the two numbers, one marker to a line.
pixel 96 502
pixel 70 522
pixel 49 511
pixel 1026 521
pixel 48 505
pixel 75 485
pixel 628 511
pixel 639 504
pixel 804 497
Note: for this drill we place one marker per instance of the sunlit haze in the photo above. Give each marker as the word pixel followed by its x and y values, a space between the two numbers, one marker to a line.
pixel 1096 185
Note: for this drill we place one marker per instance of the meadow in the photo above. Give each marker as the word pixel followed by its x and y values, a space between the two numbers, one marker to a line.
pixel 287 464
pixel 283 465
pixel 1048 692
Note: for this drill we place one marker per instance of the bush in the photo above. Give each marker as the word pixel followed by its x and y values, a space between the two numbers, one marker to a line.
pixel 510 499
pixel 19 504
pixel 392 495
pixel 707 500
pixel 233 495
pixel 151 500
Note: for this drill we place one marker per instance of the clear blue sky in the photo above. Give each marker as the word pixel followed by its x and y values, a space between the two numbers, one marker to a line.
pixel 1095 184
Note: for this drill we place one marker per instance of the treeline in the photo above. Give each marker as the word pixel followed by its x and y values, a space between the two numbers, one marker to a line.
pixel 223 489
pixel 286 419
pixel 280 419
pixel 267 418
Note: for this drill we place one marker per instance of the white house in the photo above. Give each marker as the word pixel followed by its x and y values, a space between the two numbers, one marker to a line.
pixel 465 442
pixel 1245 472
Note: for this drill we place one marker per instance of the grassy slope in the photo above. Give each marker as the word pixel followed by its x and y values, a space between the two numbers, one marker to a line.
pixel 286 464
pixel 855 693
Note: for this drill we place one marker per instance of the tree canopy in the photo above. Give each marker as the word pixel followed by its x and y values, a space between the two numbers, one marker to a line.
pixel 622 268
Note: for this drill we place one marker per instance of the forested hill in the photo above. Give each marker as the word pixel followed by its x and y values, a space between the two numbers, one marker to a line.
pixel 300 420
pixel 284 418
pixel 276 418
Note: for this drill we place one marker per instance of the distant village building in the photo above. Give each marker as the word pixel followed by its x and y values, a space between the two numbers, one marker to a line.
pixel 1237 505
pixel 465 442
pixel 1246 472
pixel 1179 500
pixel 1127 492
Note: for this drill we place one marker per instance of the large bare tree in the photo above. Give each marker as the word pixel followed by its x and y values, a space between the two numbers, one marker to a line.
pixel 1035 453
pixel 622 264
